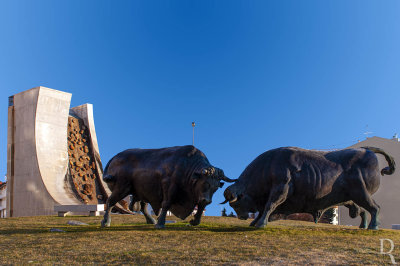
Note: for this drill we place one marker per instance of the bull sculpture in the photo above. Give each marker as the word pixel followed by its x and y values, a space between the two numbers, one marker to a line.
pixel 293 180
pixel 173 179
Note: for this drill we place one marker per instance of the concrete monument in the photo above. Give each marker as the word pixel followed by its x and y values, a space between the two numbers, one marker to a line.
pixel 53 158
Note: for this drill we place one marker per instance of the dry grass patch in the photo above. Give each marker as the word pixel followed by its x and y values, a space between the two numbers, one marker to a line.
pixel 218 240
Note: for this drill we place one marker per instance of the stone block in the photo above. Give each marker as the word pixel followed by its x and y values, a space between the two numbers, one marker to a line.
pixel 93 209
pixel 63 214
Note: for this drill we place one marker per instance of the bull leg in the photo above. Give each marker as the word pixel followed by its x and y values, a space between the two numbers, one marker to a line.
pixel 143 208
pixel 277 196
pixel 317 215
pixel 253 223
pixel 354 210
pixel 161 219
pixel 131 203
pixel 364 200
pixel 364 221
pixel 197 216
pixel 115 196
pixel 165 205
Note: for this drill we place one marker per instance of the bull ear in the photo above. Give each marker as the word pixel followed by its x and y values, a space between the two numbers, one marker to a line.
pixel 207 171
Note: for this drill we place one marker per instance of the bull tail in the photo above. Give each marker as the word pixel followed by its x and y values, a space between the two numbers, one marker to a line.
pixel 106 177
pixel 392 165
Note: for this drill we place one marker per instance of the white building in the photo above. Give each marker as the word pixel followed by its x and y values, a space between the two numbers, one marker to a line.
pixel 388 194
pixel 3 198
pixel 335 220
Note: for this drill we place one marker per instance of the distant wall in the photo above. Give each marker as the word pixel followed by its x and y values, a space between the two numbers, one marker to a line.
pixel 387 196
pixel 3 196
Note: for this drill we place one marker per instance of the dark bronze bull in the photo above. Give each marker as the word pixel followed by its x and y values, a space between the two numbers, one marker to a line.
pixel 293 180
pixel 173 179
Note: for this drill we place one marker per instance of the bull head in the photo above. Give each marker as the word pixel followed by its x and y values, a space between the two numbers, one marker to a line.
pixel 229 196
pixel 218 173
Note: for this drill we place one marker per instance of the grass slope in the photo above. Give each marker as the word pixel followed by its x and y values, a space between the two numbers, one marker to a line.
pixel 217 240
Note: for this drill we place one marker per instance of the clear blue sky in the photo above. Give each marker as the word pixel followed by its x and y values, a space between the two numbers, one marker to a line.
pixel 254 75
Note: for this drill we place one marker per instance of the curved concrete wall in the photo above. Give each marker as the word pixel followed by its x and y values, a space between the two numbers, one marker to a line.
pixel 51 142
pixel 38 151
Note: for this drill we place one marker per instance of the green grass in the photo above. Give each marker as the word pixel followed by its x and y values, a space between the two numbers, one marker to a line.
pixel 217 240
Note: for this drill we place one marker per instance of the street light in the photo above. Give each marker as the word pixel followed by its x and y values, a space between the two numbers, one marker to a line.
pixel 193 125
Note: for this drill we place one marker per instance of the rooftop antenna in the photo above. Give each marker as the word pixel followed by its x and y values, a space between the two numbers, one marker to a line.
pixel 193 125
pixel 367 133
pixel 396 137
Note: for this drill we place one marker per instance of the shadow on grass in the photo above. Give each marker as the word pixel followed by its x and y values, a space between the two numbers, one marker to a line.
pixel 125 227
pixel 24 231
pixel 185 227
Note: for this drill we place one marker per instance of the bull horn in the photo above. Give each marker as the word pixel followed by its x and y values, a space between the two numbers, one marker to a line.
pixel 230 201
pixel 222 176
pixel 224 202
pixel 234 200
pixel 229 196
pixel 227 179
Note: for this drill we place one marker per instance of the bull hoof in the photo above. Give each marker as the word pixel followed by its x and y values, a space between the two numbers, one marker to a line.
pixel 375 227
pixel 159 226
pixel 253 223
pixel 260 225
pixel 363 226
pixel 104 224
pixel 151 221
pixel 194 222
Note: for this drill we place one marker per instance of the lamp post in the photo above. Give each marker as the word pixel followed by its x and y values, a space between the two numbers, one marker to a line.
pixel 193 125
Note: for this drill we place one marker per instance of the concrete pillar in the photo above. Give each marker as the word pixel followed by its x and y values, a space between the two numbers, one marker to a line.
pixel 37 152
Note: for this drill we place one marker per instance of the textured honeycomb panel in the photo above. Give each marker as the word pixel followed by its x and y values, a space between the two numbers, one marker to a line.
pixel 82 165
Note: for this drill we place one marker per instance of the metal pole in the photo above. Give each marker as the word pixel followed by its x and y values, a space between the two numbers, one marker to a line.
pixel 193 125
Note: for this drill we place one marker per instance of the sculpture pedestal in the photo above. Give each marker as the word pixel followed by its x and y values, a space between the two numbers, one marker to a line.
pixel 64 210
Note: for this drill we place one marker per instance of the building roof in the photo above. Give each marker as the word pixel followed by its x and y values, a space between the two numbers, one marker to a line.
pixel 379 140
